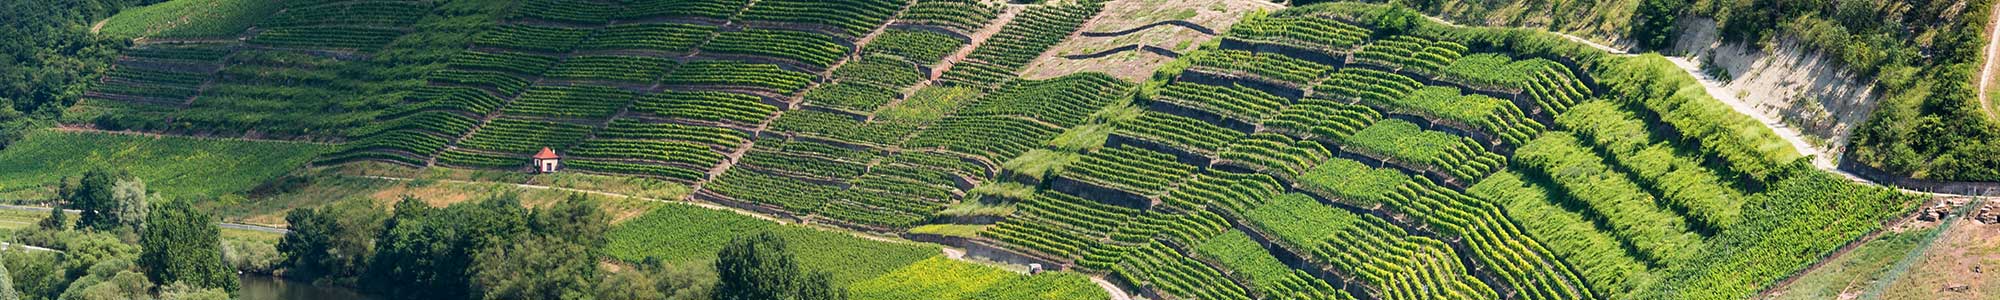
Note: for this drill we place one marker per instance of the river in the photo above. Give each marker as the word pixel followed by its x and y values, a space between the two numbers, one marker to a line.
pixel 261 287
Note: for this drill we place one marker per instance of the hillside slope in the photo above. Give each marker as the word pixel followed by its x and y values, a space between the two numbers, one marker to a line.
pixel 1328 151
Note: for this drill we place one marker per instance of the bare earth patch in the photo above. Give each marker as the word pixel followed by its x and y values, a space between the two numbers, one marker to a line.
pixel 1804 91
pixel 1121 15
pixel 1961 265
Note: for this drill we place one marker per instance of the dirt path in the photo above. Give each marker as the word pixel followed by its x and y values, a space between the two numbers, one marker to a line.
pixel 1821 159
pixel 1986 70
pixel 1789 134
pixel 9 246
pixel 1593 44
pixel 75 129
pixel 1111 288
pixel 1714 88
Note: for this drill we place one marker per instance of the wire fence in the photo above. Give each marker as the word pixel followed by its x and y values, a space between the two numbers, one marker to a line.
pixel 1902 266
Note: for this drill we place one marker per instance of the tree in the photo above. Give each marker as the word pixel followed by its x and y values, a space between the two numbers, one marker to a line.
pixel 185 292
pixel 820 286
pixel 629 285
pixel 93 196
pixel 130 198
pixel 1397 20
pixel 761 267
pixel 334 242
pixel 427 253
pixel 109 201
pixel 1654 24
pixel 7 291
pixel 579 219
pixel 182 245
pixel 37 274
pixel 56 221
pixel 48 58
pixel 755 268
pixel 307 246
pixel 545 267
pixel 122 285
pixel 651 279
pixel 402 265
pixel 558 259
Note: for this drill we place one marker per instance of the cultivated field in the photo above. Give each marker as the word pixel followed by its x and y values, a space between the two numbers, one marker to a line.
pixel 1326 151
pixel 177 167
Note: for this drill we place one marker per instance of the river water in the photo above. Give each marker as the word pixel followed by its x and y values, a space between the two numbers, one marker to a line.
pixel 260 287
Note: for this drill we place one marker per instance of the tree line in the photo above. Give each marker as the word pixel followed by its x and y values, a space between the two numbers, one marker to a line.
pixel 126 243
pixel 496 249
pixel 48 57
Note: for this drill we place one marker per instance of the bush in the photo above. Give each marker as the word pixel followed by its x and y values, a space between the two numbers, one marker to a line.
pixel 251 256
pixel 1654 23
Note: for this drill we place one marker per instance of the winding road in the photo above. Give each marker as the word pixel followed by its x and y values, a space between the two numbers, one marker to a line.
pixel 224 225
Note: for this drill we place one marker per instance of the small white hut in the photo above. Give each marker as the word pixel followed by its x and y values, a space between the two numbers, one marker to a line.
pixel 547 161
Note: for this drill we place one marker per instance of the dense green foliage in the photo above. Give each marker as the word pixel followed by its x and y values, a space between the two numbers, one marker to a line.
pixel 175 245
pixel 183 246
pixel 1928 124
pixel 491 249
pixel 331 244
pixel 1655 22
pixel 108 202
pixel 761 267
pixel 47 56
pixel 7 291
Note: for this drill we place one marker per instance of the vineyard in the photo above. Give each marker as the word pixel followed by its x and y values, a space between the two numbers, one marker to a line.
pixel 1325 151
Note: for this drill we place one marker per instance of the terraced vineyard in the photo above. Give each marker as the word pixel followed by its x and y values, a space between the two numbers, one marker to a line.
pixel 1327 151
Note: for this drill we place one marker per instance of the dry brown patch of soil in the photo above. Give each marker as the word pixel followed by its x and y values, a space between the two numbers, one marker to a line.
pixel 1137 65
pixel 1968 256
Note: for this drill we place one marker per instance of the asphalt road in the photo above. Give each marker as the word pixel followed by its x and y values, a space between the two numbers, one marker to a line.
pixel 235 226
